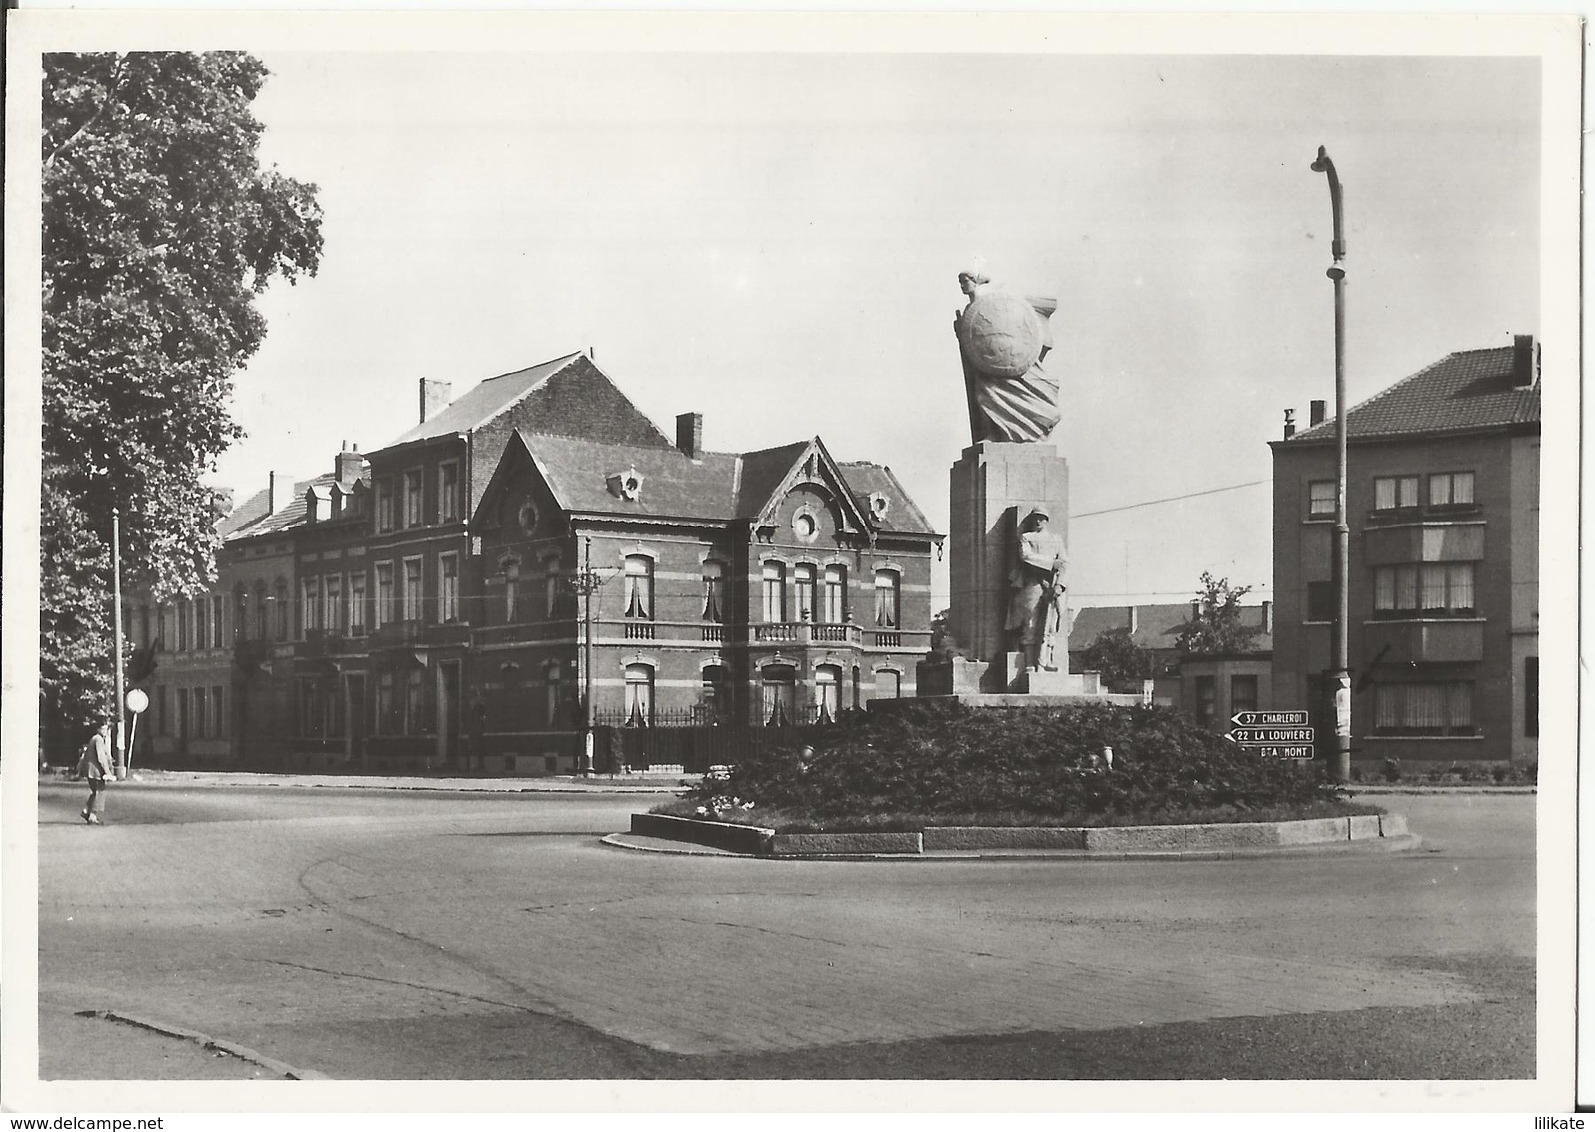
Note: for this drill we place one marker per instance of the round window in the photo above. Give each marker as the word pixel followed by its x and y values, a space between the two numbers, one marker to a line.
pixel 528 516
pixel 804 526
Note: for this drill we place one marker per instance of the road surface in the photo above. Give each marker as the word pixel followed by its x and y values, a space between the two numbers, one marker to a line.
pixel 366 934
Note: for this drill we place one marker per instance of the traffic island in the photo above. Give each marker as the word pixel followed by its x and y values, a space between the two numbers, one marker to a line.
pixel 1217 837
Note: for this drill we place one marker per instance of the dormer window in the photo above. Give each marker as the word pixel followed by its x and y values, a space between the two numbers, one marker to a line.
pixel 878 506
pixel 625 485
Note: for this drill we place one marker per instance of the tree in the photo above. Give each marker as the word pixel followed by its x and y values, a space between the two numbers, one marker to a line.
pixel 1217 626
pixel 1122 663
pixel 160 230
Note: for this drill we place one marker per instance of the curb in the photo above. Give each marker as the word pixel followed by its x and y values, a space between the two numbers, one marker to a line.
pixel 243 1053
pixel 1401 843
pixel 171 781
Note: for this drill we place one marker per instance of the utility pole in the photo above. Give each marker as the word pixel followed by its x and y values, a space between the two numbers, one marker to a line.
pixel 586 583
pixel 120 755
pixel 1340 768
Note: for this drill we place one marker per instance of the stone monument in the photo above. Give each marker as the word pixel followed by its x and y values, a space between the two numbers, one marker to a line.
pixel 1009 531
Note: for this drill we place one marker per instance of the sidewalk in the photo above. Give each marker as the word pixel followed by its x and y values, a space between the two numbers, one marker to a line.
pixel 551 784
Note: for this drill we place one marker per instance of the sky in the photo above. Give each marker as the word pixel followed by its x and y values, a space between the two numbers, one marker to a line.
pixel 774 240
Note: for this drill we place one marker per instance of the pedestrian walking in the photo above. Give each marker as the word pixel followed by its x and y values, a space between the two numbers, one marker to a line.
pixel 95 765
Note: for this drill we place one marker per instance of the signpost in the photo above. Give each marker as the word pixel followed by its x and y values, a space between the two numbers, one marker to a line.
pixel 1273 734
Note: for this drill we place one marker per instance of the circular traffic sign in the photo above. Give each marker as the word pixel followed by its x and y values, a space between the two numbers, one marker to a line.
pixel 137 700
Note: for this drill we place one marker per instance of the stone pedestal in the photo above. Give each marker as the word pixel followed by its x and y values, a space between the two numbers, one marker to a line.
pixel 994 485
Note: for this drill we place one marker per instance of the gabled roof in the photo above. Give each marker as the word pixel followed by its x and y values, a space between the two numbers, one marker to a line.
pixel 486 401
pixel 813 455
pixel 1156 626
pixel 718 486
pixel 1470 389
pixel 673 486
pixel 902 514
pixel 250 518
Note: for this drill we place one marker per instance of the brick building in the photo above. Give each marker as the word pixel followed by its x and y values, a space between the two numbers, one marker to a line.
pixel 415 608
pixel 1442 502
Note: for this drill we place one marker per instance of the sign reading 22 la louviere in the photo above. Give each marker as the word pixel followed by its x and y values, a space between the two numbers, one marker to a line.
pixel 1273 734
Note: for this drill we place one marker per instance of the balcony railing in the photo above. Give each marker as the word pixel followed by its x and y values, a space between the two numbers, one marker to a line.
pixel 639 630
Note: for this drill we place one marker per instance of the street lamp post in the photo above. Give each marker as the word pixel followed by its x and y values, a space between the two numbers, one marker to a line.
pixel 586 583
pixel 1340 768
pixel 121 753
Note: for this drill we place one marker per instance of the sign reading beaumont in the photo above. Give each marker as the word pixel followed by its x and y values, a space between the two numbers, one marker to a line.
pixel 1009 535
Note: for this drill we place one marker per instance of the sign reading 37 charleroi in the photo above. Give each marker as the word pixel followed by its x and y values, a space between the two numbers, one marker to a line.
pixel 1273 734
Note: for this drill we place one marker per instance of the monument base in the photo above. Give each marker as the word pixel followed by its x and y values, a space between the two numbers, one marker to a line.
pixel 1018 701
pixel 1008 677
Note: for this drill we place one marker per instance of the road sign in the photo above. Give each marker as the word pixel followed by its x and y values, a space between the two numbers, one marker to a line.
pixel 137 700
pixel 1282 752
pixel 1270 719
pixel 1269 736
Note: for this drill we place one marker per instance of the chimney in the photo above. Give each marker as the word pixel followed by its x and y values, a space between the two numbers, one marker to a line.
pixel 1268 617
pixel 281 494
pixel 1290 423
pixel 689 434
pixel 348 465
pixel 1525 361
pixel 434 396
pixel 1315 413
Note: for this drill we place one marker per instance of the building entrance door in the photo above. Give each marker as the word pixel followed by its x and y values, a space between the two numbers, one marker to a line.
pixel 449 712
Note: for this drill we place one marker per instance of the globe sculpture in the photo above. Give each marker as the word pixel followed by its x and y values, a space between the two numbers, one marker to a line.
pixel 1001 334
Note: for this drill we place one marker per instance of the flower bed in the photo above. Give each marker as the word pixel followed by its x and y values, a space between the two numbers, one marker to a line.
pixel 944 764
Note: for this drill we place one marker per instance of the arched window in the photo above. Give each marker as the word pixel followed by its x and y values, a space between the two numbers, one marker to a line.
pixel 888 685
pixel 803 587
pixel 713 591
pixel 639 695
pixel 639 599
pixel 512 589
pixel 774 591
pixel 715 693
pixel 554 692
pixel 827 692
pixel 835 594
pixel 778 685
pixel 888 599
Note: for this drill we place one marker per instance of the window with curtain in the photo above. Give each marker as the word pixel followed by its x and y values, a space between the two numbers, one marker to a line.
pixel 1442 708
pixel 715 691
pixel 714 591
pixel 1447 488
pixel 512 590
pixel 554 693
pixel 415 722
pixel 1392 492
pixel 639 596
pixel 309 605
pixel 384 488
pixel 332 590
pixel 414 487
pixel 357 604
pixel 778 687
pixel 1320 498
pixel 888 599
pixel 827 691
pixel 1206 699
pixel 639 695
pixel 835 611
pixel 1431 588
pixel 201 624
pixel 803 591
pixel 413 597
pixel 1242 693
pixel 774 591
pixel 448 588
pixel 385 610
pixel 448 492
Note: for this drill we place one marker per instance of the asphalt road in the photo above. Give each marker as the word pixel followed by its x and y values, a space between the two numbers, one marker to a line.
pixel 368 934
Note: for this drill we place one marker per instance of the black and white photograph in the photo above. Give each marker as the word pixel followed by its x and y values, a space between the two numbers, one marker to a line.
pixel 769 563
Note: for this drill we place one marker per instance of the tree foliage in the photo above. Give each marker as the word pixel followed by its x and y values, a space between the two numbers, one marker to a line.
pixel 1122 663
pixel 1218 626
pixel 160 230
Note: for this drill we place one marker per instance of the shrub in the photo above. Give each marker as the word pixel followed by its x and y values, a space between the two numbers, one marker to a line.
pixel 945 758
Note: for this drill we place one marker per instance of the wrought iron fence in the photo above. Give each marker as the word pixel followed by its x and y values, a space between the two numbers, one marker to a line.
pixel 694 738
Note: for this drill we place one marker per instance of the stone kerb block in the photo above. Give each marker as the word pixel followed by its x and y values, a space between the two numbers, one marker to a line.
pixel 1314 830
pixel 1364 826
pixel 1392 825
pixel 1003 837
pixel 823 844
